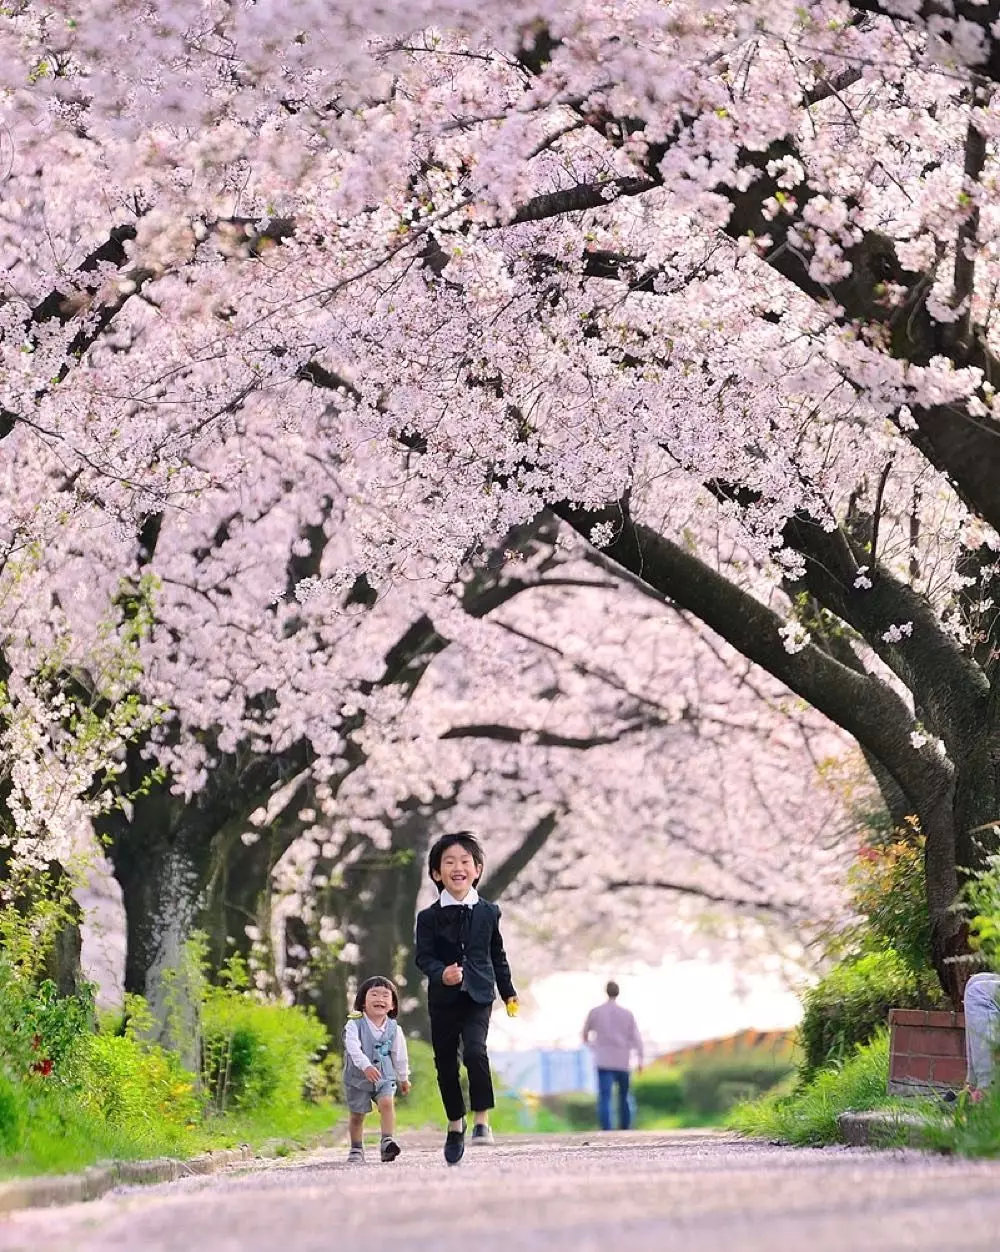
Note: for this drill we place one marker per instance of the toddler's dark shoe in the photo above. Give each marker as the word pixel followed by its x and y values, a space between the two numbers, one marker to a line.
pixel 454 1146
pixel 390 1149
pixel 482 1136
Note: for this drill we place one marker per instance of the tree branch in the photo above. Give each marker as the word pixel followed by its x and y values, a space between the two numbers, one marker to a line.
pixel 500 879
pixel 859 703
pixel 689 889
pixel 545 738
pixel 579 198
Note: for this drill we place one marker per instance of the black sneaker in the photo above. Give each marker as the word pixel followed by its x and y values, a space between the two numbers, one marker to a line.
pixel 482 1136
pixel 390 1149
pixel 454 1146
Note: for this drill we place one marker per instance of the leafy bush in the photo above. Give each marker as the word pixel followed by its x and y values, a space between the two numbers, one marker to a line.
pixel 325 1079
pixel 133 1085
pixel 851 1004
pixel 660 1090
pixel 981 902
pixel 808 1115
pixel 71 1094
pixel 11 1116
pixel 256 1055
pixel 37 1025
pixel 37 907
pixel 889 891
pixel 713 1085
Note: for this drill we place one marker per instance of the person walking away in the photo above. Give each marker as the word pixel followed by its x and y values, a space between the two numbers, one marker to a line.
pixel 611 1033
pixel 459 947
pixel 375 1063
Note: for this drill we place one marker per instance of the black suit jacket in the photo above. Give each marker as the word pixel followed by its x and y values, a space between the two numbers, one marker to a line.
pixel 445 937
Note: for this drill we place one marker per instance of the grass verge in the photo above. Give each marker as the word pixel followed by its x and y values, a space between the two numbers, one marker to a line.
pixel 974 1130
pixel 61 1137
pixel 806 1113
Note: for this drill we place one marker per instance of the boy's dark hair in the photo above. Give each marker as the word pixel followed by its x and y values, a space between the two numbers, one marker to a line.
pixel 612 989
pixel 467 840
pixel 366 986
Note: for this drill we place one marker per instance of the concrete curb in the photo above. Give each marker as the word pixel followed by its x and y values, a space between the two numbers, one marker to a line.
pixel 882 1128
pixel 98 1180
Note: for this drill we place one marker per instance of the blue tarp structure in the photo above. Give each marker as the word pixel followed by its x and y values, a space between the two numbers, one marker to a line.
pixel 546 1071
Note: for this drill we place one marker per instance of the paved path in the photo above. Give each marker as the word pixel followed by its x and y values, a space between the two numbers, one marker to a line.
pixel 701 1192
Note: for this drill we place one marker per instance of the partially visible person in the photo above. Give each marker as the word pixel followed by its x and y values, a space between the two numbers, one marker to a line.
pixel 460 949
pixel 375 1063
pixel 611 1033
pixel 982 1030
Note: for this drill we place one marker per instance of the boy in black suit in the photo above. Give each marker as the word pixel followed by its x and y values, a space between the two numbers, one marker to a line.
pixel 459 948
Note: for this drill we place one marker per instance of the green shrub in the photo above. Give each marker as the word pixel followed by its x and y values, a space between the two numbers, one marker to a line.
pixel 572 1110
pixel 713 1085
pixel 808 1115
pixel 889 891
pixel 133 1085
pixel 256 1055
pixel 660 1091
pixel 850 1005
pixel 981 902
pixel 325 1079
pixel 38 1026
pixel 11 1116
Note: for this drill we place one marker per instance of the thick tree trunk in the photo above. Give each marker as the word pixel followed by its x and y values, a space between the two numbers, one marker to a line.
pixel 162 878
pixel 949 935
pixel 374 906
pixel 239 888
pixel 164 854
pixel 63 963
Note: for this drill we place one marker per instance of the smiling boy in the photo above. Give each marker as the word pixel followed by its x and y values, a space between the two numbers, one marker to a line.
pixel 460 949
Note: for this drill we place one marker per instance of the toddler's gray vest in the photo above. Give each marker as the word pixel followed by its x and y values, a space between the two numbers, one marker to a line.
pixel 379 1050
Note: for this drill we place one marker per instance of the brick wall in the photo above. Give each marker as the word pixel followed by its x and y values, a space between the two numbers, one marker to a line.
pixel 926 1051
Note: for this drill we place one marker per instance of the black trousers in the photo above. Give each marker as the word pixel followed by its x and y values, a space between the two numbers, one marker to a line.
pixel 464 1022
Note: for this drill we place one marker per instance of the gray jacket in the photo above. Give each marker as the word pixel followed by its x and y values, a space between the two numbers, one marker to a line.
pixel 379 1050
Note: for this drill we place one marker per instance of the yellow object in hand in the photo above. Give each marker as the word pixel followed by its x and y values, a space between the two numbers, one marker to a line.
pixel 512 1007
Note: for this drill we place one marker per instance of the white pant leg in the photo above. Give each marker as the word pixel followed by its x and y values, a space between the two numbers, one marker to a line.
pixel 982 1027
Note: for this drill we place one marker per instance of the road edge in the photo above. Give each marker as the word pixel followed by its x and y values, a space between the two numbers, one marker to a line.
pixel 97 1180
pixel 882 1128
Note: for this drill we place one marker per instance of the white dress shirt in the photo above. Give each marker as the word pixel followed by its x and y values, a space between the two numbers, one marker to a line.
pixel 469 902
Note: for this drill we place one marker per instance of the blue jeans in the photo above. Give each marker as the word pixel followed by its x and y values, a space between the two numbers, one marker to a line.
pixel 982 1027
pixel 606 1080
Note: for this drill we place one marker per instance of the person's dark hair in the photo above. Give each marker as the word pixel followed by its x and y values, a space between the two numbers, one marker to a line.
pixel 612 989
pixel 366 986
pixel 465 839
